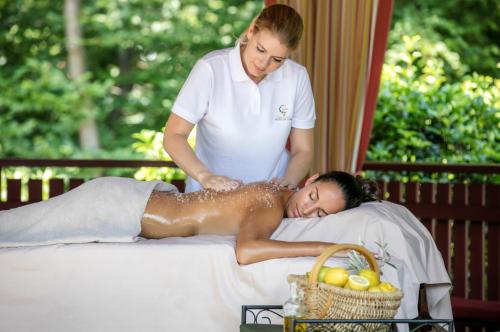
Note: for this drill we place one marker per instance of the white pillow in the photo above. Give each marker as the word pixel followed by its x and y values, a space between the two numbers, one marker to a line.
pixel 372 223
pixel 383 222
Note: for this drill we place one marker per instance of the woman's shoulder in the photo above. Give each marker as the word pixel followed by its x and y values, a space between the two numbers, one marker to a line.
pixel 211 62
pixel 294 65
pixel 294 71
pixel 261 187
pixel 216 54
pixel 266 193
pixel 214 60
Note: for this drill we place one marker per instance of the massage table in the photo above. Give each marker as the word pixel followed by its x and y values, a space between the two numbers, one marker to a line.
pixel 195 283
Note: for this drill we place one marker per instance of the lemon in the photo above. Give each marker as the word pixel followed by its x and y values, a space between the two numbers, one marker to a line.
pixel 371 276
pixel 358 283
pixel 336 276
pixel 322 273
pixel 386 287
pixel 374 289
pixel 346 286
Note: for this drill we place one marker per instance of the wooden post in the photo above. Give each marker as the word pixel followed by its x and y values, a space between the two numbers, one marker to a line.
pixel 73 183
pixel 14 190
pixel 460 237
pixel 493 274
pixel 476 192
pixel 443 226
pixel 56 187
pixel 34 190
pixel 394 189
pixel 427 197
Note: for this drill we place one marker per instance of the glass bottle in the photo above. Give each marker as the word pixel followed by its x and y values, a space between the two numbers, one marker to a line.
pixel 294 308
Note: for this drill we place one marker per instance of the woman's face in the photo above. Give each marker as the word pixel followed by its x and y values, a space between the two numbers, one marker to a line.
pixel 263 54
pixel 316 199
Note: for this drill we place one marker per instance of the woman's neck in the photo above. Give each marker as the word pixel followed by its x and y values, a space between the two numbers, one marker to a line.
pixel 285 197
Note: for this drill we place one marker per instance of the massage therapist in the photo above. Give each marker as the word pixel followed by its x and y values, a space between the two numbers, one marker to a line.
pixel 246 101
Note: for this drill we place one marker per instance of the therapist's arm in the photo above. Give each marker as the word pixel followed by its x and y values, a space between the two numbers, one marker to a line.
pixel 175 142
pixel 301 149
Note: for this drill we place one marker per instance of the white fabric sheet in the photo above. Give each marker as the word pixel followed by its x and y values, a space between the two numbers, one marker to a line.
pixel 188 284
pixel 174 284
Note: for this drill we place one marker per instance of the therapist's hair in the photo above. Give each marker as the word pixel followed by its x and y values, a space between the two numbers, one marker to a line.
pixel 282 21
pixel 355 189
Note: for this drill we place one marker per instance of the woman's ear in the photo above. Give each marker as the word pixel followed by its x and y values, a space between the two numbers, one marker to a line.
pixel 312 178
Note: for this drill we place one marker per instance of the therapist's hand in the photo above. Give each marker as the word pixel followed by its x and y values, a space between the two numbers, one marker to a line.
pixel 218 182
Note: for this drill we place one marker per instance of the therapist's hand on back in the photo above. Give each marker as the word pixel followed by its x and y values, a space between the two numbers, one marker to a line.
pixel 218 182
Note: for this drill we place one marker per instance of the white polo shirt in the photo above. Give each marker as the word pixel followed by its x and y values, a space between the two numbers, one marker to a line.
pixel 242 127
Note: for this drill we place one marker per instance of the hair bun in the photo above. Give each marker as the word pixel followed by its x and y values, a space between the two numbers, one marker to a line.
pixel 369 188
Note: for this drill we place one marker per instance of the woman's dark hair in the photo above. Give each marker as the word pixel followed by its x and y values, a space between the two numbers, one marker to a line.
pixel 355 189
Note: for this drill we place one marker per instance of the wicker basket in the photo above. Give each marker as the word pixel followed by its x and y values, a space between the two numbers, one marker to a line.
pixel 325 301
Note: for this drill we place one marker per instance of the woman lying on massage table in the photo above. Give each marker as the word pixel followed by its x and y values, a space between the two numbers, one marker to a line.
pixel 119 209
pixel 253 212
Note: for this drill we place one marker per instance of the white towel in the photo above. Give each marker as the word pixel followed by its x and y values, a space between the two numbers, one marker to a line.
pixel 107 209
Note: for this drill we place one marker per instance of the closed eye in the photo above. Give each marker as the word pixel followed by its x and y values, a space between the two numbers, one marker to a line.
pixel 322 213
pixel 260 49
pixel 314 195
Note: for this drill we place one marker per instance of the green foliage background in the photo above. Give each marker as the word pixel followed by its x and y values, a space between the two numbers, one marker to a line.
pixel 138 56
pixel 439 95
pixel 438 101
pixel 424 115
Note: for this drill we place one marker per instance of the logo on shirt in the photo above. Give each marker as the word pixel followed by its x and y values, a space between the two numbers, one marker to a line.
pixel 283 114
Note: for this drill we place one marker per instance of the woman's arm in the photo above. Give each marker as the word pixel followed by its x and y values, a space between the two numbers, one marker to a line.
pixel 253 243
pixel 175 143
pixel 258 250
pixel 301 146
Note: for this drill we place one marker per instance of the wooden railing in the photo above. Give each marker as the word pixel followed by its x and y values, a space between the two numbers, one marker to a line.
pixel 432 168
pixel 456 214
pixel 464 219
pixel 58 186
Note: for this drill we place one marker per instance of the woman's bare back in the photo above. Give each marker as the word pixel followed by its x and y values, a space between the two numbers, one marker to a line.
pixel 211 212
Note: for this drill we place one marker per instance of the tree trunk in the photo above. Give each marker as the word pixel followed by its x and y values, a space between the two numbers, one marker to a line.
pixel 125 63
pixel 89 136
